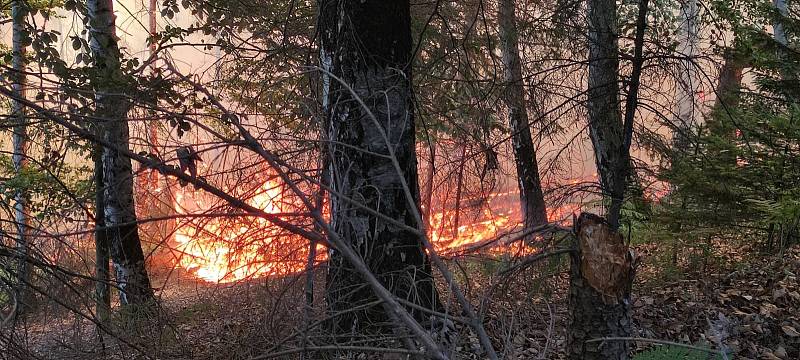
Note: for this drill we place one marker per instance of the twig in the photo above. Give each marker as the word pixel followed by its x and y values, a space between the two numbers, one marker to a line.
pixel 339 348
pixel 661 342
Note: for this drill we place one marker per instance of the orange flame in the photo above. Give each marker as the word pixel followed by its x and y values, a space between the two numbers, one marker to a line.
pixel 230 248
pixel 225 249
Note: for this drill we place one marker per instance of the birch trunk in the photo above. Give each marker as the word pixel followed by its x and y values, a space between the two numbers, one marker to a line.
pixel 101 246
pixel 778 30
pixel 367 44
pixel 112 110
pixel 20 148
pixel 688 83
pixel 530 186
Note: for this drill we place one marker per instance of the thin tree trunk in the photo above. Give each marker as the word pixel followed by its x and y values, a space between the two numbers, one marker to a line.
pixel 112 108
pixel 722 122
pixel 728 97
pixel 687 109
pixel 459 191
pixel 101 246
pixel 427 200
pixel 605 120
pixel 530 186
pixel 20 150
pixel 152 128
pixel 367 44
pixel 778 28
pixel 686 91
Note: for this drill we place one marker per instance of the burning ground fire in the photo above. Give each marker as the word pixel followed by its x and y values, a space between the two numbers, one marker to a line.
pixel 225 249
pixel 230 248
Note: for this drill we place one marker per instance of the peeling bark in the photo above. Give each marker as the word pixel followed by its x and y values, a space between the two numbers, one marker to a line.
pixel 530 186
pixel 600 291
pixel 367 44
pixel 112 109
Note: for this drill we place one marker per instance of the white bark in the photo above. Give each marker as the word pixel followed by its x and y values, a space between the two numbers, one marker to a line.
pixel 778 29
pixel 112 109
pixel 687 110
pixel 20 141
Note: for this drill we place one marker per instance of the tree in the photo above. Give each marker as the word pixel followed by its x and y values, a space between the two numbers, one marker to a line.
pixel 743 179
pixel 366 57
pixel 602 270
pixel 111 111
pixel 605 119
pixel 530 186
pixel 687 111
pixel 20 38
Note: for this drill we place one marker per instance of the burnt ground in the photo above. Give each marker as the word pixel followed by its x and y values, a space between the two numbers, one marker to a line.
pixel 749 305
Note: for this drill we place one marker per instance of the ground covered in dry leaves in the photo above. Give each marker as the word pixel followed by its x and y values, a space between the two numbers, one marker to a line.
pixel 750 307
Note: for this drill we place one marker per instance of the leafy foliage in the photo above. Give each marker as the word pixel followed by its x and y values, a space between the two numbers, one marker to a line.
pixel 743 173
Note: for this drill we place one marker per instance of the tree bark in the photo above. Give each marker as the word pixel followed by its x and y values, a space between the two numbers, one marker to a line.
pixel 101 246
pixel 686 91
pixel 19 11
pixel 112 110
pixel 427 199
pixel 722 122
pixel 778 29
pixel 602 266
pixel 605 120
pixel 367 44
pixel 601 274
pixel 530 186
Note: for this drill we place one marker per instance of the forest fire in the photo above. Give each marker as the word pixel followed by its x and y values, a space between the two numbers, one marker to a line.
pixel 222 249
pixel 230 248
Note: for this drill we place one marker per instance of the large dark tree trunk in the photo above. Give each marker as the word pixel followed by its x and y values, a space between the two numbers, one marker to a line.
pixel 112 111
pixel 367 45
pixel 600 292
pixel 530 186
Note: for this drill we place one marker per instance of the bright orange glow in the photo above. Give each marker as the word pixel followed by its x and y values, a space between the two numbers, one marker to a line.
pixel 230 248
pixel 226 249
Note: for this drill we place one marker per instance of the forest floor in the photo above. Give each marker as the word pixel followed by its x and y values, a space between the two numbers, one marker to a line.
pixel 749 306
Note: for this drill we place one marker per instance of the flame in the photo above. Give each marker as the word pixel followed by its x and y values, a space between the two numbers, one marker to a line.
pixel 230 248
pixel 225 249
